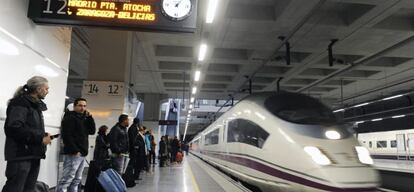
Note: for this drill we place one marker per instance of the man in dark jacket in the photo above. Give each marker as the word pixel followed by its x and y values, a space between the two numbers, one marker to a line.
pixel 76 126
pixel 26 138
pixel 119 143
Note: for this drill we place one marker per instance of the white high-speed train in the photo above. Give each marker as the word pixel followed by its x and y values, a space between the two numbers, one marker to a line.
pixel 286 142
pixel 392 145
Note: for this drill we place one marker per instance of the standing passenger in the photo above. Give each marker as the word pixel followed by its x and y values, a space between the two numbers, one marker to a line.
pixel 76 126
pixel 175 146
pixel 162 153
pixel 152 150
pixel 141 152
pixel 119 143
pixel 101 152
pixel 26 138
pixel 133 146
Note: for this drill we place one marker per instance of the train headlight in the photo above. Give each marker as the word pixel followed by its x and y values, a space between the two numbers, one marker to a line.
pixel 332 134
pixel 363 155
pixel 317 155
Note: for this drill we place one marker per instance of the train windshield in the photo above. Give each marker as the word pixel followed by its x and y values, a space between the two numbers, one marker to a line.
pixel 300 109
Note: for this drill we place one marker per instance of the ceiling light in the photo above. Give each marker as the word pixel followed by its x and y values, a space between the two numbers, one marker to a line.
pixel 191 106
pixel 197 76
pixel 47 71
pixel 211 10
pixel 202 53
pixel 379 119
pixel 339 110
pixel 398 116
pixel 360 105
pixel 194 90
pixel 190 111
pixel 393 97
pixel 359 122
pixel 192 99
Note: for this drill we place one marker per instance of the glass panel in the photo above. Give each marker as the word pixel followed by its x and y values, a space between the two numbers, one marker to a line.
pixel 245 131
pixel 394 144
pixel 212 138
pixel 381 144
pixel 301 109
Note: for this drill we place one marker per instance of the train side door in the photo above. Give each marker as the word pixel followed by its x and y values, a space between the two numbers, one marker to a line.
pixel 401 147
pixel 410 145
pixel 225 123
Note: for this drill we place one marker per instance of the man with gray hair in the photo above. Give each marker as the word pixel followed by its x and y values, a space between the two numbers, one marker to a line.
pixel 26 138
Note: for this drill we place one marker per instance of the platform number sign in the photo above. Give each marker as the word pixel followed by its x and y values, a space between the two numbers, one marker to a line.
pixel 61 7
pixel 91 88
pixel 113 89
pixel 100 88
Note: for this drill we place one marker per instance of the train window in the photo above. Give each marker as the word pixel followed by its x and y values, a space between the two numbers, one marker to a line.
pixel 381 144
pixel 245 131
pixel 212 137
pixel 370 144
pixel 393 143
pixel 300 109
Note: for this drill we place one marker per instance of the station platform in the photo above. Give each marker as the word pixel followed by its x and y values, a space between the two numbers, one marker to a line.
pixel 405 166
pixel 192 175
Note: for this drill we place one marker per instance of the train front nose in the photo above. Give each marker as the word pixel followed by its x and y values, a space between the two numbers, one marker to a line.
pixel 350 179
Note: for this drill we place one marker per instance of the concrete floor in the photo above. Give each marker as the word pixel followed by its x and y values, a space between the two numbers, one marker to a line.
pixel 185 177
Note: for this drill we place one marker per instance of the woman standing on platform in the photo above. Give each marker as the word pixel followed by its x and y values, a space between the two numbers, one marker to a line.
pixel 101 152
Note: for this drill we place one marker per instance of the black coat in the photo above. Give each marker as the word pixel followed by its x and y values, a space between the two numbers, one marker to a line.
pixel 163 149
pixel 101 148
pixel 139 152
pixel 118 139
pixel 24 129
pixel 75 130
pixel 132 135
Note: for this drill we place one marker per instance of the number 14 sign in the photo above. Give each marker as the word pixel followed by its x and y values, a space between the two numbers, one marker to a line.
pixel 101 88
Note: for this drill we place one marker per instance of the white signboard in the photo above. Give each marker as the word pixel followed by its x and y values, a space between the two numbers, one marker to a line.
pixel 101 88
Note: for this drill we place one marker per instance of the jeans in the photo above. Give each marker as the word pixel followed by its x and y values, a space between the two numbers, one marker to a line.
pixel 72 174
pixel 120 162
pixel 21 175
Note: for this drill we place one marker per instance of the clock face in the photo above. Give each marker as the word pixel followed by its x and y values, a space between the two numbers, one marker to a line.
pixel 176 9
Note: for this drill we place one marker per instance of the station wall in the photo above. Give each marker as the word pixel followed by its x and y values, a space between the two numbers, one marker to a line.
pixel 27 49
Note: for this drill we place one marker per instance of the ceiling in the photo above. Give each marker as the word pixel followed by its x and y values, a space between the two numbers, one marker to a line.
pixel 373 55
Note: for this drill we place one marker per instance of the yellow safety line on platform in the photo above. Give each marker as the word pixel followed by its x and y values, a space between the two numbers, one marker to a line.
pixel 193 180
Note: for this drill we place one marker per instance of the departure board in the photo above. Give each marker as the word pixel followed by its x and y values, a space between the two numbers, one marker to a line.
pixel 139 15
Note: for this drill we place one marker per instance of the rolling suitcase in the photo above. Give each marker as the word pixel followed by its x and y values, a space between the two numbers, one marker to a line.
pixel 111 181
pixel 92 184
pixel 179 157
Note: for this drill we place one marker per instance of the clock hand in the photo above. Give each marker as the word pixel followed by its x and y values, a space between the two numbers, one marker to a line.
pixel 176 5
